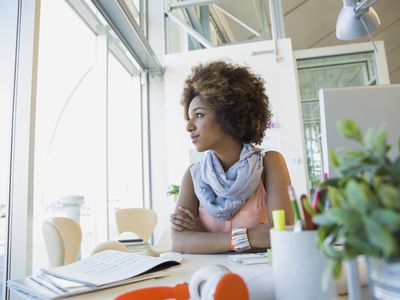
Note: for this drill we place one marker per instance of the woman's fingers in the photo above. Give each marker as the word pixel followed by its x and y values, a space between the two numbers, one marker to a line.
pixel 188 212
pixel 182 221
pixel 178 227
pixel 186 220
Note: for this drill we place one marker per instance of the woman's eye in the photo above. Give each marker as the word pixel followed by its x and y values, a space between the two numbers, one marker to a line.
pixel 198 115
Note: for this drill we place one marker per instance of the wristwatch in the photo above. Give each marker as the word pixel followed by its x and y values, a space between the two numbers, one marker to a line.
pixel 240 241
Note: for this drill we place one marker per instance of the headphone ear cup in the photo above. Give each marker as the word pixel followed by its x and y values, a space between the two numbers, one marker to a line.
pixel 208 290
pixel 201 279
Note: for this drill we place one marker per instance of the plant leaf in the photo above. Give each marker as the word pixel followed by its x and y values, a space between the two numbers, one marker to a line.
pixel 362 246
pixel 380 144
pixel 389 195
pixel 334 159
pixel 349 129
pixel 369 138
pixel 343 216
pixel 396 168
pixel 308 207
pixel 398 143
pixel 358 195
pixel 333 269
pixel 379 236
pixel 334 196
pixel 324 219
pixel 387 217
pixel 329 248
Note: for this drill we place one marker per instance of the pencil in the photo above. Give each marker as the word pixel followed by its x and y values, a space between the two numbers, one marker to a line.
pixel 294 203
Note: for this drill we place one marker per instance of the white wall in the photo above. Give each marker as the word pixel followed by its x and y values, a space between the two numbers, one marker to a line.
pixel 281 85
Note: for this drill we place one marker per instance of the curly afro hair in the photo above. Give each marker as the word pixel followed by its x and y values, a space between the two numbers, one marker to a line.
pixel 235 94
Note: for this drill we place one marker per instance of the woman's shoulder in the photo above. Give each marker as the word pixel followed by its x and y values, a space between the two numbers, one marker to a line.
pixel 273 160
pixel 272 155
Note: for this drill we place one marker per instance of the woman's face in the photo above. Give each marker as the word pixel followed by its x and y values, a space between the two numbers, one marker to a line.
pixel 204 129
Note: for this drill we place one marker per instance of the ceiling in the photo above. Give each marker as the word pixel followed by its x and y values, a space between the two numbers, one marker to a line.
pixel 311 24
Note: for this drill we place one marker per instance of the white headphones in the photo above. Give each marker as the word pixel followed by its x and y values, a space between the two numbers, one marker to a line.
pixel 204 282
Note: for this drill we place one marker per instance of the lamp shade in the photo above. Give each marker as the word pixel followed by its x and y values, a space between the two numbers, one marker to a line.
pixel 349 25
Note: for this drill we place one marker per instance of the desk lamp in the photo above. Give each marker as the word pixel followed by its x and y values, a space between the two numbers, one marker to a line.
pixel 356 19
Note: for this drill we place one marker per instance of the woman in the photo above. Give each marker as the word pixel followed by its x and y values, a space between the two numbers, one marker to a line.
pixel 226 199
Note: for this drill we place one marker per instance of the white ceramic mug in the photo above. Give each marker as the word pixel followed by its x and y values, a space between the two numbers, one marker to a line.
pixel 298 266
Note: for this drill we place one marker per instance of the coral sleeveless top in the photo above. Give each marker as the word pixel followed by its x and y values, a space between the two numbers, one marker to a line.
pixel 253 213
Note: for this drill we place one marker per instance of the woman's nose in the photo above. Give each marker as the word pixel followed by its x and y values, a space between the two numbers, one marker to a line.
pixel 189 126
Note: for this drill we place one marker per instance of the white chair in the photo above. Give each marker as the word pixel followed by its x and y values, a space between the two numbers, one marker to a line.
pixel 140 221
pixel 62 237
pixel 110 245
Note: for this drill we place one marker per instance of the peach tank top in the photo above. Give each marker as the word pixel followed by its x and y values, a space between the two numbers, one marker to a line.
pixel 254 212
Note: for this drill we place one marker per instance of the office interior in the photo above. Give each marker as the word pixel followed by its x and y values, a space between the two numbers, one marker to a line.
pixel 90 116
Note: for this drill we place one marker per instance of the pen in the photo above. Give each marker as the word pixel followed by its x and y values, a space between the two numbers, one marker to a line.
pixel 298 224
pixel 294 203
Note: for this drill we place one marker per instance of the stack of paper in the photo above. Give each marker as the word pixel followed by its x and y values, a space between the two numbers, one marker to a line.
pixel 103 270
pixel 252 258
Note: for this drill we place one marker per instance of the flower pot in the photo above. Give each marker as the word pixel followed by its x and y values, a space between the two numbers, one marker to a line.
pixel 384 279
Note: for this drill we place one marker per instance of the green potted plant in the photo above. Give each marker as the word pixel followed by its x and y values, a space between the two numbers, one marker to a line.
pixel 359 208
pixel 173 191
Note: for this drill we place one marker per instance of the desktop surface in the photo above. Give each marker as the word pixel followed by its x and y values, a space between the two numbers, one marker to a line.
pixel 259 278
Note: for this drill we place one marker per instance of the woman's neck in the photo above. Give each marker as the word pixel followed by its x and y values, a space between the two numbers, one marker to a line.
pixel 229 154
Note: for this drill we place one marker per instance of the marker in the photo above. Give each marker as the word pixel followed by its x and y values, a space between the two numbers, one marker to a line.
pixel 278 216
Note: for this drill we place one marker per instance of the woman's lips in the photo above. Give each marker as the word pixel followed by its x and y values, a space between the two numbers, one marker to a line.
pixel 194 138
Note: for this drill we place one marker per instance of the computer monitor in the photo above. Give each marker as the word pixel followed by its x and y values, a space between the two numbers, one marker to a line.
pixel 367 106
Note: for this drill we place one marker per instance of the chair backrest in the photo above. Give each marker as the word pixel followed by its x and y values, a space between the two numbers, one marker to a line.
pixel 62 237
pixel 141 221
pixel 110 245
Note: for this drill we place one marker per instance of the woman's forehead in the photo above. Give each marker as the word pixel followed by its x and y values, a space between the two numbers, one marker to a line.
pixel 197 103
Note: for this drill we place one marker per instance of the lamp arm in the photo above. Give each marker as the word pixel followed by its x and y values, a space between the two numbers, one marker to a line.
pixel 364 5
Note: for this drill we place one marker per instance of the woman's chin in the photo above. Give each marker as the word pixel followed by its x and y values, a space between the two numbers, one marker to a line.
pixel 199 148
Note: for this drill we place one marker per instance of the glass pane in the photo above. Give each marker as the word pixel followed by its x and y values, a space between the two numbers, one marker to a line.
pixel 8 17
pixel 87 145
pixel 327 72
pixel 226 23
pixel 134 7
pixel 69 125
pixel 124 141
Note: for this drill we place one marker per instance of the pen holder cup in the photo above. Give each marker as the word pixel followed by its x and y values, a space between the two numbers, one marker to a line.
pixel 298 266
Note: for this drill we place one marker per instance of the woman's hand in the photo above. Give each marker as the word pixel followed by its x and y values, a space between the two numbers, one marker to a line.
pixel 185 220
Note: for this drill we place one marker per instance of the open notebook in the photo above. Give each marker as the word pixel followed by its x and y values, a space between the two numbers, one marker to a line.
pixel 103 270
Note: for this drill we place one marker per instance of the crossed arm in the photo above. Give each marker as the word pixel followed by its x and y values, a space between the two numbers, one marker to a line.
pixel 189 235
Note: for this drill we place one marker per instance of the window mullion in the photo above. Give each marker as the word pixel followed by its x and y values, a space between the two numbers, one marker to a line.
pixel 100 205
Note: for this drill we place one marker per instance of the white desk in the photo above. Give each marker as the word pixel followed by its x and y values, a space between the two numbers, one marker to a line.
pixel 258 278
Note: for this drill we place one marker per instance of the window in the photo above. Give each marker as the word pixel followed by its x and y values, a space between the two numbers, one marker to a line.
pixel 125 186
pixel 88 159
